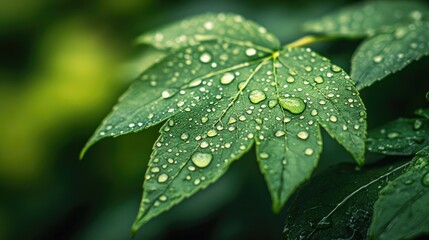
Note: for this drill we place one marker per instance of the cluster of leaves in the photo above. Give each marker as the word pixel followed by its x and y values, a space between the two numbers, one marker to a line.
pixel 395 32
pixel 226 84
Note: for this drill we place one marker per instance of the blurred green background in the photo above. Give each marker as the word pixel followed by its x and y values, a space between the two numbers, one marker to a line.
pixel 63 64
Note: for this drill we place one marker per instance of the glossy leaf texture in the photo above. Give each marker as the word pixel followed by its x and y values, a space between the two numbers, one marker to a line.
pixel 399 137
pixel 367 19
pixel 388 53
pixel 220 95
pixel 402 211
pixel 397 33
pixel 338 203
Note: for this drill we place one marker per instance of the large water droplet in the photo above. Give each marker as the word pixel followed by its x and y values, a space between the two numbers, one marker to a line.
pixel 201 160
pixel 333 118
pixel 425 179
pixel 279 133
pixel 308 151
pixel 293 104
pixel 257 96
pixel 302 135
pixel 205 58
pixel 250 52
pixel 393 135
pixel 195 82
pixel 184 136
pixel 168 93
pixel 162 178
pixel 204 144
pixel 227 78
pixel 378 59
pixel 212 133
pixel 264 155
pixel 318 80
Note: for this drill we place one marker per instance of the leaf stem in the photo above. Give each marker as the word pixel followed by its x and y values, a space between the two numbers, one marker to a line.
pixel 308 40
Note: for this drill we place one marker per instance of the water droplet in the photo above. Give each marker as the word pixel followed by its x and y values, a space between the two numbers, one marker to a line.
pixel 292 72
pixel 163 198
pixel 293 104
pixel 232 120
pixel 257 96
pixel 318 80
pixel 313 112
pixel 264 155
pixel 378 59
pixel 272 103
pixel 425 179
pixel 333 118
pixel 154 169
pixel 204 119
pixel 408 182
pixel 417 124
pixel 162 178
pixel 184 136
pixel 308 151
pixel 168 93
pixel 208 25
pixel 250 52
pixel 201 160
pixel 212 133
pixel 227 78
pixel 195 82
pixel 302 135
pixel 393 135
pixel 335 68
pixel 279 133
pixel 290 79
pixel 205 58
pixel 204 144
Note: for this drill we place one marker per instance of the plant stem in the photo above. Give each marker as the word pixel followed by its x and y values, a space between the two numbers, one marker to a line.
pixel 307 40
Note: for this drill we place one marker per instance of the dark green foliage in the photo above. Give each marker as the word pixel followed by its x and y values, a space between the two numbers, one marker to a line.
pixel 402 210
pixel 396 33
pixel 338 203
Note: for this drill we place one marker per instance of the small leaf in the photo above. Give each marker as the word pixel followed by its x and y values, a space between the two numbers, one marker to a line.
pixel 399 137
pixel 388 53
pixel 368 19
pixel 338 203
pixel 221 95
pixel 402 210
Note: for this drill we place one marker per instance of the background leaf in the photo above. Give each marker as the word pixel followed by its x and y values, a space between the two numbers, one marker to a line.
pixel 399 137
pixel 402 210
pixel 368 18
pixel 226 27
pixel 388 53
pixel 338 203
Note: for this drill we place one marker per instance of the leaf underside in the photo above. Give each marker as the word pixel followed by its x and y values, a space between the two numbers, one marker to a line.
pixel 222 93
pixel 402 211
pixel 397 32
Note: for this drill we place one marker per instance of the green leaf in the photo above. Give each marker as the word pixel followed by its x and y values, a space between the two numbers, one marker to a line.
pixel 399 137
pixel 368 18
pixel 225 27
pixel 402 210
pixel 388 53
pixel 338 203
pixel 398 31
pixel 221 95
